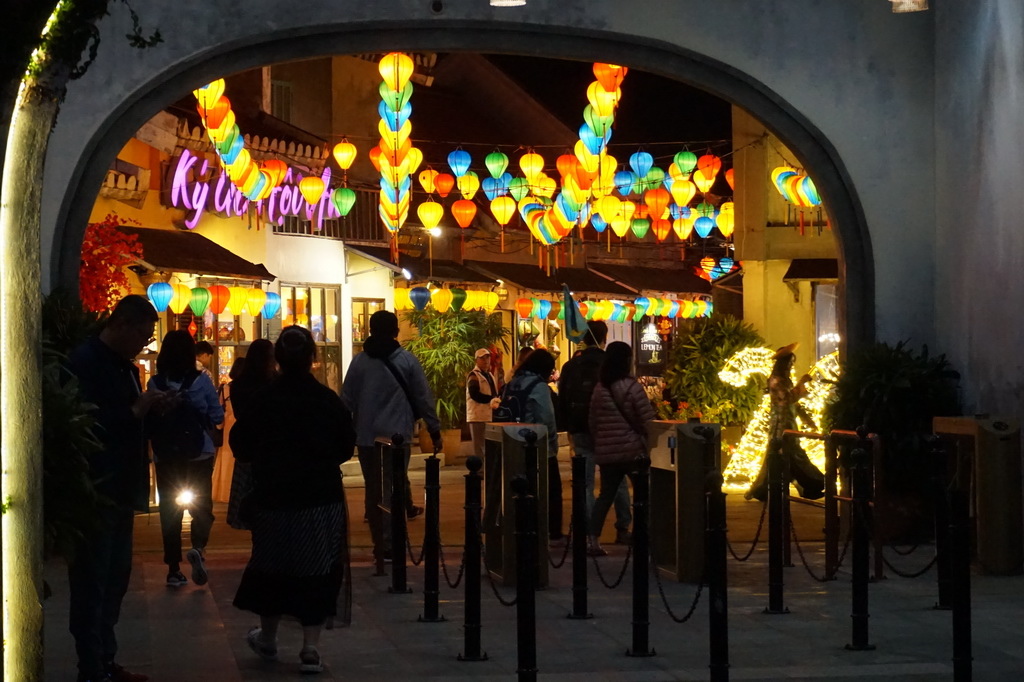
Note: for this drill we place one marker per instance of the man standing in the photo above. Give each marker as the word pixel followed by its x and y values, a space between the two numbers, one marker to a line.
pixel 204 356
pixel 575 387
pixel 386 390
pixel 481 398
pixel 99 572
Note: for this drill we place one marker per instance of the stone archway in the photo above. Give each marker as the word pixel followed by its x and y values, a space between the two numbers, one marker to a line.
pixel 784 120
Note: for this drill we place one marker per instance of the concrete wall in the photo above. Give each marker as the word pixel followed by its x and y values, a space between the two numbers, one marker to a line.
pixel 847 86
pixel 979 240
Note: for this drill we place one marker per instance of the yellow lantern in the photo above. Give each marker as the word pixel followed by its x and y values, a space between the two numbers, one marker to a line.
pixel 430 213
pixel 683 192
pixel 441 299
pixel 427 180
pixel 703 179
pixel 344 154
pixel 587 160
pixel 210 93
pixel 180 298
pixel 312 188
pixel 726 219
pixel 415 158
pixel 532 165
pixel 503 209
pixel 255 299
pixel 468 185
pixel 545 185
pixel 396 69
pixel 402 301
pixel 490 301
pixel 238 297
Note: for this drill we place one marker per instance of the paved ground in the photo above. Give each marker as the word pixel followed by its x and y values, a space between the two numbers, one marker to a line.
pixel 193 633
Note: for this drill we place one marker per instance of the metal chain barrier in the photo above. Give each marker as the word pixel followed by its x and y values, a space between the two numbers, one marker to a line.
pixel 490 578
pixel 412 558
pixel 622 574
pixel 799 550
pixel 757 536
pixel 664 599
pixel 565 551
pixel 444 568
pixel 911 574
pixel 906 553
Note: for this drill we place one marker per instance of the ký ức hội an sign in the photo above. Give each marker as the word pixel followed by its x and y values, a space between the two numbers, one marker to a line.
pixel 199 186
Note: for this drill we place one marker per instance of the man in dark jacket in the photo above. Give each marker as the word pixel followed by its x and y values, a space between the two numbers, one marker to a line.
pixel 99 573
pixel 575 387
pixel 386 390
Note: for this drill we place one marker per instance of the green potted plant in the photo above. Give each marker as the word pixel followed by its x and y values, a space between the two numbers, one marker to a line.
pixel 444 345
pixel 895 392
pixel 702 348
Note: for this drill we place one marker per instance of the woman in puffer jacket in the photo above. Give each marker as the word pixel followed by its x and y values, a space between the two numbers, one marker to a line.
pixel 619 412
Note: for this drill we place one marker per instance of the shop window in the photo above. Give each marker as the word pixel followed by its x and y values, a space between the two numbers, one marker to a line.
pixel 362 308
pixel 281 100
pixel 317 308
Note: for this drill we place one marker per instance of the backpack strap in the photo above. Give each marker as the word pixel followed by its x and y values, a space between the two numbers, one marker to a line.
pixel 405 387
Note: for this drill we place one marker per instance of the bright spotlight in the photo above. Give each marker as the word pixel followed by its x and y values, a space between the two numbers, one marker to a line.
pixel 406 274
pixel 185 498
pixel 435 231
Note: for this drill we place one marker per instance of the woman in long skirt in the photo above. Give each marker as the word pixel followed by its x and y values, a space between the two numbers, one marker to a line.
pixel 295 435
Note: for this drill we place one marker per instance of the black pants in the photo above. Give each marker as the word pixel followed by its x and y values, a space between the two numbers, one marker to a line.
pixel 378 484
pixel 98 580
pixel 171 478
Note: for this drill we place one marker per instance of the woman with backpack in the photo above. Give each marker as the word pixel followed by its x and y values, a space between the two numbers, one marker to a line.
pixel 183 452
pixel 619 412
pixel 529 399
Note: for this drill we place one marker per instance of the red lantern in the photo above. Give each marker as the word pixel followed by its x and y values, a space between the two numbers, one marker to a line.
pixel 524 306
pixel 443 183
pixel 219 297
pixel 464 211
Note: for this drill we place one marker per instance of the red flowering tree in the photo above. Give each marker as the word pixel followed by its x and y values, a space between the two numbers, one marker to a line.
pixel 106 252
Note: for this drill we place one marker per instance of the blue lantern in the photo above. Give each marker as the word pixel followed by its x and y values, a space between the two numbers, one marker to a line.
pixel 599 223
pixel 543 309
pixel 271 306
pixel 459 161
pixel 703 226
pixel 624 181
pixel 160 294
pixel 419 296
pixel 641 163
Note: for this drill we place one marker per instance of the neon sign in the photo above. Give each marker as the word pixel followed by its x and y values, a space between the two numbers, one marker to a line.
pixel 197 188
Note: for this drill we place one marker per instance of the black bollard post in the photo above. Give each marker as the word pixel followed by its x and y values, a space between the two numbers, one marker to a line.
pixel 787 535
pixel 530 458
pixel 861 465
pixel 471 578
pixel 641 559
pixel 579 538
pixel 526 579
pixel 716 574
pixel 398 521
pixel 960 562
pixel 776 530
pixel 831 511
pixel 940 484
pixel 432 544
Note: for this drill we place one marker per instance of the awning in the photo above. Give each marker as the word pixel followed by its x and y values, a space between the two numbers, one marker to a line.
pixel 641 278
pixel 187 251
pixel 817 269
pixel 531 278
pixel 422 269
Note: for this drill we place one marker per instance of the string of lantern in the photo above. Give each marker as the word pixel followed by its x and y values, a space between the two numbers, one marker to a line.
pixel 443 300
pixel 615 311
pixel 215 299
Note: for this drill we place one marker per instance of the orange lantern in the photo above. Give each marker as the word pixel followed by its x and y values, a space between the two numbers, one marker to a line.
pixel 524 307
pixel 610 76
pixel 312 188
pixel 276 170
pixel 730 177
pixel 443 183
pixel 661 228
pixel 344 154
pixel 710 164
pixel 707 264
pixel 657 201
pixel 375 157
pixel 566 165
pixel 464 211
pixel 219 296
pixel 430 213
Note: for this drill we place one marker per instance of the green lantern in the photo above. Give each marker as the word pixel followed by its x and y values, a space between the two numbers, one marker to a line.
pixel 518 188
pixel 458 299
pixel 496 163
pixel 200 301
pixel 686 161
pixel 343 199
pixel 640 226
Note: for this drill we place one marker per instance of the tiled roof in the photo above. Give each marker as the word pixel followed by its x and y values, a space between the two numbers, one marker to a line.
pixel 186 251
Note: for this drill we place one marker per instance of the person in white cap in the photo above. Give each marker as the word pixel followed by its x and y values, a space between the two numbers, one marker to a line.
pixel 481 398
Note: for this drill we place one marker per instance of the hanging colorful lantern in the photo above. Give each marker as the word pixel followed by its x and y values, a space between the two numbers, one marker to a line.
pixel 524 306
pixel 312 188
pixel 419 296
pixel 396 69
pixel 219 297
pixel 402 301
pixel 180 298
pixel 468 184
pixel 496 163
pixel 441 299
pixel 543 309
pixel 343 199
pixel 459 161
pixel 344 154
pixel 271 306
pixel 430 213
pixel 443 183
pixel 532 164
pixel 464 211
pixel 255 301
pixel 238 297
pixel 426 178
pixel 491 301
pixel 503 209
pixel 199 301
pixel 726 219
pixel 160 294
pixel 459 299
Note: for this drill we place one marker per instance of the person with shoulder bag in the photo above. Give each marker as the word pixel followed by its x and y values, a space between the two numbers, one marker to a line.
pixel 619 413
pixel 183 452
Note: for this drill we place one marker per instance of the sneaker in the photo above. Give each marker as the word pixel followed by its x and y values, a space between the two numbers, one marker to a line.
pixel 268 652
pixel 623 537
pixel 597 550
pixel 310 661
pixel 413 512
pixel 117 673
pixel 199 575
pixel 176 579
